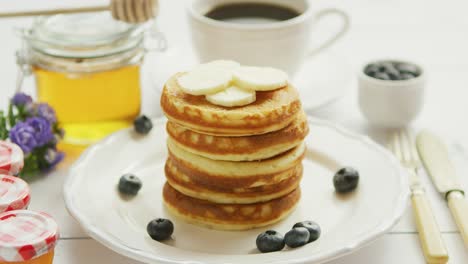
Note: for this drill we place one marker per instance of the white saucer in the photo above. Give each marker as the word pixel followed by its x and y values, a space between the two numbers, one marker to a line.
pixel 348 222
pixel 321 80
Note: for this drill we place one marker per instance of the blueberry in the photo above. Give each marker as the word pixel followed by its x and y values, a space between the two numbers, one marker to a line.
pixel 406 76
pixel 129 184
pixel 312 227
pixel 381 67
pixel 393 74
pixel 143 125
pixel 408 68
pixel 346 180
pixel 297 237
pixel 160 229
pixel 382 76
pixel 389 69
pixel 386 65
pixel 270 241
pixel 371 69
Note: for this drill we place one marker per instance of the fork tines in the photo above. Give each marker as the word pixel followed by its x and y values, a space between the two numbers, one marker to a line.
pixel 404 148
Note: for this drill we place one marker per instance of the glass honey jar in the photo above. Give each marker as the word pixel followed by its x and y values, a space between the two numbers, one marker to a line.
pixel 27 237
pixel 14 193
pixel 87 67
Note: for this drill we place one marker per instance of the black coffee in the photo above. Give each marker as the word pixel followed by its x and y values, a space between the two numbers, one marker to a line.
pixel 252 13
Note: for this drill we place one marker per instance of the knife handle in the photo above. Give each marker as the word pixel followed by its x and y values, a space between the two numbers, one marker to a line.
pixel 459 207
pixel 429 234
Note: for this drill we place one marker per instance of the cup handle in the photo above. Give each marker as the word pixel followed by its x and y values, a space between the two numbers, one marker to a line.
pixel 344 28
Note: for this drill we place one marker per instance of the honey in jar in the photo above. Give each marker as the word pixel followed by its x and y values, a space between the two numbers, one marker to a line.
pixel 87 67
pixel 27 237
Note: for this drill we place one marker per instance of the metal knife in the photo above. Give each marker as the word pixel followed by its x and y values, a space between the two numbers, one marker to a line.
pixel 435 157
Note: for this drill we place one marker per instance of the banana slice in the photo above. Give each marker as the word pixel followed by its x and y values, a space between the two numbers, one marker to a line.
pixel 260 78
pixel 205 80
pixel 232 96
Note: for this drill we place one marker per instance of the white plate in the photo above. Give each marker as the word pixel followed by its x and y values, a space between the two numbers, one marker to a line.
pixel 348 222
pixel 322 79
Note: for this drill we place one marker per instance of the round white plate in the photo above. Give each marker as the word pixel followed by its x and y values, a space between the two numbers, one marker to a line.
pixel 348 222
pixel 322 79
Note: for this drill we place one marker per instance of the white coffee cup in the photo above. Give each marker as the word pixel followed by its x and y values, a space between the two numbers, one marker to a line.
pixel 281 44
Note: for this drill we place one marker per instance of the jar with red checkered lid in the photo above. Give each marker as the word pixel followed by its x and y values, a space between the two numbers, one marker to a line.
pixel 14 193
pixel 27 237
pixel 11 158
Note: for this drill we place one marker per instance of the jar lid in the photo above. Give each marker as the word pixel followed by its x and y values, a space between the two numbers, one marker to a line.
pixel 11 158
pixel 14 193
pixel 86 35
pixel 25 235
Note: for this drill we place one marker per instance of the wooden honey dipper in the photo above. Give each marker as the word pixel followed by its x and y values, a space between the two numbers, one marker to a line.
pixel 130 11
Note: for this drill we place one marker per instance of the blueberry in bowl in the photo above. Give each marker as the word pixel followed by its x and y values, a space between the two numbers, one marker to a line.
pixel 391 92
pixel 392 70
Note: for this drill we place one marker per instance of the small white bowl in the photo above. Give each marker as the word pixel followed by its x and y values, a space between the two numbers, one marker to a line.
pixel 391 103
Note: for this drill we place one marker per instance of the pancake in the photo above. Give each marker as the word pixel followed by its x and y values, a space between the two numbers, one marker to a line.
pixel 272 111
pixel 247 148
pixel 229 216
pixel 218 193
pixel 234 174
pixel 221 183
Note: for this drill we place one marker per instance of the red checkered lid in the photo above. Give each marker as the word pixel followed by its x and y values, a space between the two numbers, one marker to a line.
pixel 14 193
pixel 11 158
pixel 25 235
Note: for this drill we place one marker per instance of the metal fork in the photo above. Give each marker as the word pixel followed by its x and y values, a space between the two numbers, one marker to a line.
pixel 404 148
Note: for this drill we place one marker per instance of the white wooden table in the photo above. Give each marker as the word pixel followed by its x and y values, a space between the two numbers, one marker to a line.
pixel 434 33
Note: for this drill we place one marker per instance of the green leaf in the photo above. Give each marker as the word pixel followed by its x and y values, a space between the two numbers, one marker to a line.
pixel 3 127
pixel 22 114
pixel 40 154
pixel 11 117
pixel 31 167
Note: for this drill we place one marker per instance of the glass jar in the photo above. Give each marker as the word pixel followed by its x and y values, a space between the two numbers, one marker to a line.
pixel 87 67
pixel 27 237
pixel 14 193
pixel 11 158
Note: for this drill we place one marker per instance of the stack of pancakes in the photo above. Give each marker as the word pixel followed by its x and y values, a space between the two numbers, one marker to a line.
pixel 233 168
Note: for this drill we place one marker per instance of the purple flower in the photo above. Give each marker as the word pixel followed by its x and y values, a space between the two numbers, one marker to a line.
pixel 42 130
pixel 45 111
pixel 21 99
pixel 34 132
pixel 53 157
pixel 23 135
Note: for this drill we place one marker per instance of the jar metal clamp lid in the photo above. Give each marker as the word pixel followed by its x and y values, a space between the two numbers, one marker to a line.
pixel 14 193
pixel 11 158
pixel 85 43
pixel 25 235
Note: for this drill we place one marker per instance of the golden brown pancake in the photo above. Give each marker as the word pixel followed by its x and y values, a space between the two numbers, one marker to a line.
pixel 248 148
pixel 273 110
pixel 243 174
pixel 219 193
pixel 222 183
pixel 229 216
